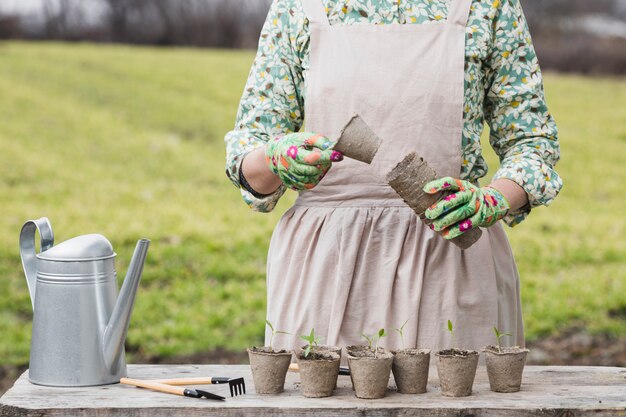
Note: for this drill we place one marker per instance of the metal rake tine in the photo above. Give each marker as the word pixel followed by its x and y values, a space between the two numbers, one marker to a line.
pixel 237 386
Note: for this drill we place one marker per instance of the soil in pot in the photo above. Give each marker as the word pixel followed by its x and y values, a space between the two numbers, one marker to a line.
pixel 456 369
pixel 505 367
pixel 318 373
pixel 269 369
pixel 410 370
pixel 369 371
pixel 324 348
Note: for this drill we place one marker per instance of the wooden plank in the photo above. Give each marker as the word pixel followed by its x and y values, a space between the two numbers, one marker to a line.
pixel 546 391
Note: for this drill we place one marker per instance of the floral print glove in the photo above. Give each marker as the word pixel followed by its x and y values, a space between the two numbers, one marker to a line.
pixel 464 206
pixel 301 159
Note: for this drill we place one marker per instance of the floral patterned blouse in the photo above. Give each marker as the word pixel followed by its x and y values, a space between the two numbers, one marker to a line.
pixel 503 87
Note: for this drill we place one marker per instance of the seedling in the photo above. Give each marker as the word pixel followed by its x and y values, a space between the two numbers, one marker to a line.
pixel 381 334
pixel 312 341
pixel 450 329
pixel 401 331
pixel 274 332
pixel 375 338
pixel 370 340
pixel 499 336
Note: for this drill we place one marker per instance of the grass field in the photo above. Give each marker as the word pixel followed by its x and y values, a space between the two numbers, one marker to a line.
pixel 128 142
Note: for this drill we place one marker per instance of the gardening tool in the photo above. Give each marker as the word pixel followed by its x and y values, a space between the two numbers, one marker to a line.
pixel 237 385
pixel 170 389
pixel 343 370
pixel 79 322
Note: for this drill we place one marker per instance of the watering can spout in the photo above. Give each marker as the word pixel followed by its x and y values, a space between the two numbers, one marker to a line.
pixel 117 327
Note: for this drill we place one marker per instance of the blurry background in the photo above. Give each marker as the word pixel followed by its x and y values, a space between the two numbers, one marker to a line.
pixel 570 35
pixel 127 140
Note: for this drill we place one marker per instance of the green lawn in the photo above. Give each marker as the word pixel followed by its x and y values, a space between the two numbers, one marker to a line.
pixel 127 142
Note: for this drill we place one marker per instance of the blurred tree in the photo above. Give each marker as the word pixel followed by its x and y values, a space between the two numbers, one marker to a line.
pixel 564 36
pixel 63 19
pixel 9 26
pixel 118 11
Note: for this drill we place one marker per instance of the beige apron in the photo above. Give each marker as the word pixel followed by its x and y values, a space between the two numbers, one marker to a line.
pixel 350 256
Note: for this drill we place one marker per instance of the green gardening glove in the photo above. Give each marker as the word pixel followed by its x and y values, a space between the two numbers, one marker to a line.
pixel 301 159
pixel 467 207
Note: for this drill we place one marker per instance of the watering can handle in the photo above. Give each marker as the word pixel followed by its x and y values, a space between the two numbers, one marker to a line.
pixel 28 252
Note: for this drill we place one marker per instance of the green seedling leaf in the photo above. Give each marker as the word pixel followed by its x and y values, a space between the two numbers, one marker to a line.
pixel 274 332
pixel 381 334
pixel 312 340
pixel 368 338
pixel 401 331
pixel 499 336
pixel 450 327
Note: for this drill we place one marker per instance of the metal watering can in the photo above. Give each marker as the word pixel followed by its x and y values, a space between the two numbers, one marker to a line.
pixel 79 322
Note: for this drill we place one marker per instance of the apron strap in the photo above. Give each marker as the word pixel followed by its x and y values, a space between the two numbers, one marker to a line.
pixel 459 12
pixel 315 11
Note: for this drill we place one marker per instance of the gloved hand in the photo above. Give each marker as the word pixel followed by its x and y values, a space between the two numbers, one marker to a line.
pixel 301 159
pixel 467 207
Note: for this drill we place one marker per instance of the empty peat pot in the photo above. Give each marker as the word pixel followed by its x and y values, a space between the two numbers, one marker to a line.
pixel 505 367
pixel 358 141
pixel 456 369
pixel 269 369
pixel 410 370
pixel 369 372
pixel 408 179
pixel 318 372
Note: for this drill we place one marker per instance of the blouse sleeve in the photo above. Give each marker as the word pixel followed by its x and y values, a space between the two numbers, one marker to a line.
pixel 272 103
pixel 523 132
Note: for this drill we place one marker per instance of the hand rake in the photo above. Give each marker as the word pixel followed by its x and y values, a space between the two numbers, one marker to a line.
pixel 170 389
pixel 237 385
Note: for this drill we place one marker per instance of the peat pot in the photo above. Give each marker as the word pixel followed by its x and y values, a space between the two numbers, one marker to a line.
pixel 505 367
pixel 269 369
pixel 410 370
pixel 456 369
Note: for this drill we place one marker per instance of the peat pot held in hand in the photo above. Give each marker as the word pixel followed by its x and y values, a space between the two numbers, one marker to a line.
pixel 505 367
pixel 269 369
pixel 410 370
pixel 369 371
pixel 456 369
pixel 318 372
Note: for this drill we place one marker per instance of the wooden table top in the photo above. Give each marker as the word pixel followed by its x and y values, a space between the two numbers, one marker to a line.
pixel 560 391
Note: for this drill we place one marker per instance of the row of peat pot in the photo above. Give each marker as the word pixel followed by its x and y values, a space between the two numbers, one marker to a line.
pixel 370 371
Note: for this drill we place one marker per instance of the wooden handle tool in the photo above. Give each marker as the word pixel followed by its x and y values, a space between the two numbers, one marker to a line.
pixel 343 370
pixel 189 381
pixel 237 385
pixel 170 389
